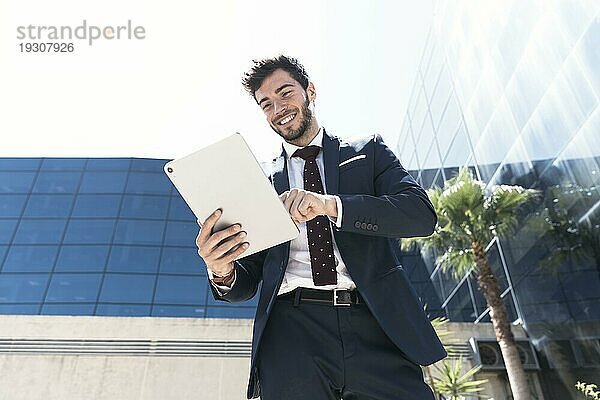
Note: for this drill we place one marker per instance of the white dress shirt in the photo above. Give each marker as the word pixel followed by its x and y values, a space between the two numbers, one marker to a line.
pixel 298 272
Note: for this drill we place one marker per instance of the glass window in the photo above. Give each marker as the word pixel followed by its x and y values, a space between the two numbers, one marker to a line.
pixel 82 258
pixel 19 164
pixel 2 253
pixel 68 309
pixel 180 210
pixel 128 288
pixel 181 290
pixel 182 233
pixel 123 310
pixel 103 182
pixel 230 312
pixel 30 259
pixel 182 260
pixel 460 308
pixel 178 311
pixel 108 164
pixel 57 182
pixel 148 164
pixel 63 164
pixel 145 206
pixel 149 183
pixel 40 231
pixel 131 231
pixel 16 182
pixel 97 205
pixel 7 228
pixel 22 309
pixel 447 126
pixel 74 287
pixel 133 259
pixel 11 205
pixel 89 231
pixel 459 152
pixel 49 205
pixel 22 288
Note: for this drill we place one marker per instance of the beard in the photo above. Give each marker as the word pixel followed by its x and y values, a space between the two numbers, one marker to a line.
pixel 294 134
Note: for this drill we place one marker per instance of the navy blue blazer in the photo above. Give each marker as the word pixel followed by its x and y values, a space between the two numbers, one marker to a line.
pixel 381 202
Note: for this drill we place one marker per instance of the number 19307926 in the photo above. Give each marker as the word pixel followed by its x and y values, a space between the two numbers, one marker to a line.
pixel 46 47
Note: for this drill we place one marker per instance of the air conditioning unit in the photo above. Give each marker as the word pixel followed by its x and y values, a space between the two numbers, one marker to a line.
pixel 486 352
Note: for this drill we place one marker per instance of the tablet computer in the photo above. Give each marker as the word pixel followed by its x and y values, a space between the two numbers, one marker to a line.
pixel 226 175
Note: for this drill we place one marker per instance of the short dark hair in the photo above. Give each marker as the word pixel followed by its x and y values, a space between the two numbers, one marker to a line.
pixel 265 67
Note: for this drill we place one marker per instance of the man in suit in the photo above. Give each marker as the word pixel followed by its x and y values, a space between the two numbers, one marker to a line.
pixel 337 317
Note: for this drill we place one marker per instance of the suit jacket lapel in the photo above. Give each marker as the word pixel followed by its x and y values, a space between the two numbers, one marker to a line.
pixel 280 174
pixel 331 160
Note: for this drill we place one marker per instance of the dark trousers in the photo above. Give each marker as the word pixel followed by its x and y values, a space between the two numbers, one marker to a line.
pixel 319 352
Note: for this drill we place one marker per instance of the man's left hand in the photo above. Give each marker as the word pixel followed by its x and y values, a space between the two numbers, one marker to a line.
pixel 304 205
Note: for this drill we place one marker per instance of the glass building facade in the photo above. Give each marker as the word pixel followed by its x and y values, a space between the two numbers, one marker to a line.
pixel 100 237
pixel 511 89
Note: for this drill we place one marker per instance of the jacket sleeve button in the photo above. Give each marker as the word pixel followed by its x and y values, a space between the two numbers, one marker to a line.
pixel 357 224
pixel 375 228
pixel 369 227
pixel 363 225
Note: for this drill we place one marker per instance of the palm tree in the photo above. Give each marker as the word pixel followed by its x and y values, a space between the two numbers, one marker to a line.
pixel 456 385
pixel 469 217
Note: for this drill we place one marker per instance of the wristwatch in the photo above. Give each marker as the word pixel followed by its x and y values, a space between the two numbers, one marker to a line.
pixel 226 279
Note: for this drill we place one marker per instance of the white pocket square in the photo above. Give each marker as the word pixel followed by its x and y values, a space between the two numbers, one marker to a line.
pixel 361 156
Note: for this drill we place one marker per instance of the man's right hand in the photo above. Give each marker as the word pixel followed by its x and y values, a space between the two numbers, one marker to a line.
pixel 220 249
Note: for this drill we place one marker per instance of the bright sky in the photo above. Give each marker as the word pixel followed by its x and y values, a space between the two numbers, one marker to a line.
pixel 179 88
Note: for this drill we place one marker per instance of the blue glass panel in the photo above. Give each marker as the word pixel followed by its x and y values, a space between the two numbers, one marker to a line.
pixel 89 231
pixel 149 183
pixel 68 309
pixel 178 311
pixel 22 288
pixel 230 312
pixel 148 164
pixel 139 232
pixel 181 290
pixel 40 231
pixel 57 182
pixel 133 259
pixel 11 205
pixel 63 164
pixel 74 287
pixel 22 164
pixel 23 309
pixel 182 233
pixel 82 259
pixel 145 206
pixel 49 205
pixel 16 182
pixel 30 259
pixel 103 182
pixel 180 210
pixel 178 260
pixel 7 228
pixel 97 205
pixel 127 288
pixel 123 310
pixel 2 253
pixel 108 164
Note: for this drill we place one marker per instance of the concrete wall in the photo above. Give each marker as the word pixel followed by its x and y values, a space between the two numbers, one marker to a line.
pixel 128 377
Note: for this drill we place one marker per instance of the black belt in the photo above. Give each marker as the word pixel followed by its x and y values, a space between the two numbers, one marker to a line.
pixel 335 297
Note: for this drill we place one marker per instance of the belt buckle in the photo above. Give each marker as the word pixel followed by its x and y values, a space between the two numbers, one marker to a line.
pixel 335 298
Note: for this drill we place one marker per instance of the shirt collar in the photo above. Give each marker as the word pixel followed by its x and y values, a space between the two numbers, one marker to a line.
pixel 291 148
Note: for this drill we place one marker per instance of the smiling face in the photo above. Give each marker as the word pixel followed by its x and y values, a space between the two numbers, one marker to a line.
pixel 286 106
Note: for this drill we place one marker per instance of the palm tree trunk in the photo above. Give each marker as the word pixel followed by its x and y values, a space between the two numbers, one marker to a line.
pixel 431 383
pixel 488 284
